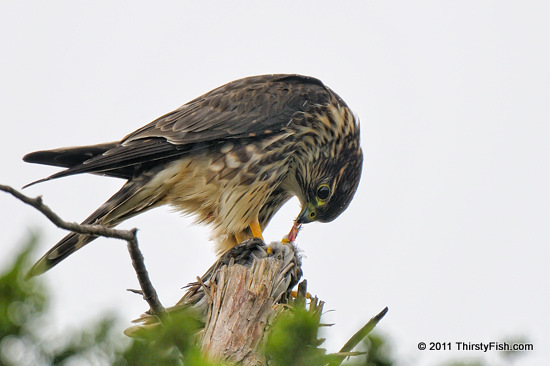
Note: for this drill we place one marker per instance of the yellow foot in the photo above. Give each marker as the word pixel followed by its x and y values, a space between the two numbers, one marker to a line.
pixel 294 294
pixel 256 229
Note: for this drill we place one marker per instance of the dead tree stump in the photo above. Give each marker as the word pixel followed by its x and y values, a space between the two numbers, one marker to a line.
pixel 238 298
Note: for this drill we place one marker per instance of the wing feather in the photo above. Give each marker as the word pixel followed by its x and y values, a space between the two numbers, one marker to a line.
pixel 256 106
pixel 246 108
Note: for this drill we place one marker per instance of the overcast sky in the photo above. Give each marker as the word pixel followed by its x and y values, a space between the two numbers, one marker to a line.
pixel 450 224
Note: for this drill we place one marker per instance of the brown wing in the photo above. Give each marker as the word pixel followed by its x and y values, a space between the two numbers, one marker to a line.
pixel 246 108
pixel 249 107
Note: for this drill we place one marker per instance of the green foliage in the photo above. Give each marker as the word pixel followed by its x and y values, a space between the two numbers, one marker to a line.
pixel 293 338
pixel 20 300
pixel 377 352
pixel 172 343
pixel 23 307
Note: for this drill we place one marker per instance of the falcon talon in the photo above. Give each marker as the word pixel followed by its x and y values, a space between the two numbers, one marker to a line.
pixel 231 158
pixel 294 294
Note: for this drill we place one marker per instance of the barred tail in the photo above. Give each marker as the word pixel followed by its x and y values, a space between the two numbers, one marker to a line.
pixel 136 196
pixel 67 246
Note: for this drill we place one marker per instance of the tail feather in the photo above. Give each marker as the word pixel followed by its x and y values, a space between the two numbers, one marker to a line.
pixel 72 157
pixel 67 246
pixel 69 156
pixel 134 197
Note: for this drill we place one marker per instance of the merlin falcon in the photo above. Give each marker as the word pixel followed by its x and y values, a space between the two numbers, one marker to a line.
pixel 230 158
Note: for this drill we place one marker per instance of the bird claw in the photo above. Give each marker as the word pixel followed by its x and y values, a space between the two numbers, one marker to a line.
pixel 294 294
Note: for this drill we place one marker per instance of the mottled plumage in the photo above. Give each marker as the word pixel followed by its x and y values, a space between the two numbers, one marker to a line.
pixel 230 158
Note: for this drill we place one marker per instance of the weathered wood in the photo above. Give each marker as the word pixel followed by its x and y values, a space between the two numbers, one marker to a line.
pixel 244 301
pixel 238 298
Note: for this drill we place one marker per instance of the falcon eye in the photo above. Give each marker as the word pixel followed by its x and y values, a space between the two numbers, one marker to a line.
pixel 323 192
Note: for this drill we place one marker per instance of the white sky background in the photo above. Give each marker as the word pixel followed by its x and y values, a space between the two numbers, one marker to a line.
pixel 449 227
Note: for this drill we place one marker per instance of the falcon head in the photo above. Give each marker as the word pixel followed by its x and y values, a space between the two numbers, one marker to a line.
pixel 332 187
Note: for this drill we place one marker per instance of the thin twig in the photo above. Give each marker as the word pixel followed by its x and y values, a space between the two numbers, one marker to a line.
pixel 149 292
pixel 98 230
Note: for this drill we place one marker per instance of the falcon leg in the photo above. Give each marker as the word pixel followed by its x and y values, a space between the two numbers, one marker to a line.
pixel 239 238
pixel 257 232
pixel 256 229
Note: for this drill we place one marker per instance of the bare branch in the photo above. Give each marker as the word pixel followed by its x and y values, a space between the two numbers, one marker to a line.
pixel 98 230
pixel 148 291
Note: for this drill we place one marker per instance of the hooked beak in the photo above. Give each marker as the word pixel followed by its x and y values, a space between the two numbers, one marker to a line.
pixel 307 215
